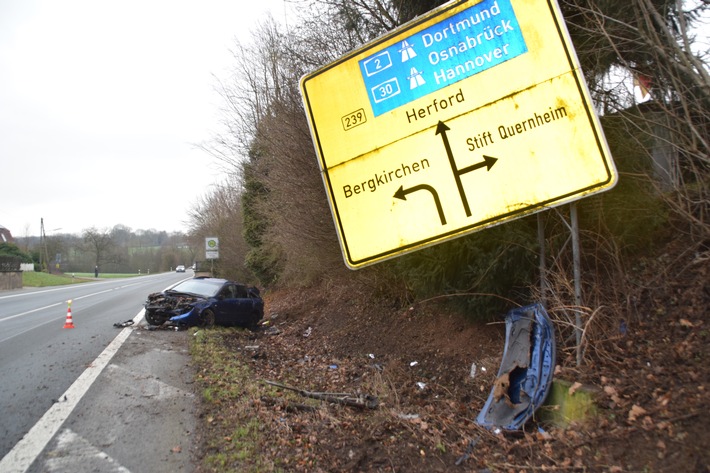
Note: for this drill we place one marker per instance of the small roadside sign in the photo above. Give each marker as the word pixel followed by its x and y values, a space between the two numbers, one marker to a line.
pixel 470 116
pixel 211 243
pixel 211 248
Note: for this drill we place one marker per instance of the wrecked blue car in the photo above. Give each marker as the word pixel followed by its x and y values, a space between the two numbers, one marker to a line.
pixel 206 302
pixel 525 373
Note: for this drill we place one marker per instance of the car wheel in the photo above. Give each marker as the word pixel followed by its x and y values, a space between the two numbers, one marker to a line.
pixel 153 319
pixel 207 318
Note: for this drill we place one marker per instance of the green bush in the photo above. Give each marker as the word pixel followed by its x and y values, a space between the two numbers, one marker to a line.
pixel 10 249
pixel 633 213
pixel 484 272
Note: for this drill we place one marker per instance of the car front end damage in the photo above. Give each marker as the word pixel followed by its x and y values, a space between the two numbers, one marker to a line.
pixel 177 308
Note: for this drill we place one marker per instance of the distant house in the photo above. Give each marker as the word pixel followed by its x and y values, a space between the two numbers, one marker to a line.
pixel 5 235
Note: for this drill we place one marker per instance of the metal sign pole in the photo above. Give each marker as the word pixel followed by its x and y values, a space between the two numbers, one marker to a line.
pixel 543 266
pixel 577 279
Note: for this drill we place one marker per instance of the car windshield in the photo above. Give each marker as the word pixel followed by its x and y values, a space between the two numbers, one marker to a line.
pixel 200 287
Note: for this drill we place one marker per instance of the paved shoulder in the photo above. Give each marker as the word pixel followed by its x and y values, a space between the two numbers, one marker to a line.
pixel 139 415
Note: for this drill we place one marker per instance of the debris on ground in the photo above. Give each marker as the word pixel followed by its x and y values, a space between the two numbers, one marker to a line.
pixel 127 323
pixel 525 374
pixel 355 400
pixel 651 384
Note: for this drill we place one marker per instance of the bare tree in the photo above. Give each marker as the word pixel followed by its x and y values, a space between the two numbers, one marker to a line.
pixel 268 154
pixel 649 43
pixel 100 243
pixel 267 145
pixel 219 214
pixel 651 86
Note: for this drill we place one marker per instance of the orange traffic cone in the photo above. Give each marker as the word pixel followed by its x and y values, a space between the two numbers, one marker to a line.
pixel 69 323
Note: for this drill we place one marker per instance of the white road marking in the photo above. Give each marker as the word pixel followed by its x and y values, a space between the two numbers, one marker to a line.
pixel 63 288
pixel 10 317
pixel 74 453
pixel 24 453
pixel 29 329
pixel 143 386
pixel 78 298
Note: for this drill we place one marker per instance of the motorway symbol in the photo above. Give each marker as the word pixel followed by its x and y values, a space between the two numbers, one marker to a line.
pixel 407 51
pixel 415 78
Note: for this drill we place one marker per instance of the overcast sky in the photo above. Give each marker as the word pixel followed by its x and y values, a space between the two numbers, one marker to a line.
pixel 102 103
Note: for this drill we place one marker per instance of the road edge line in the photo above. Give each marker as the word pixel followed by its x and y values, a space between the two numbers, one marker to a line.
pixel 26 451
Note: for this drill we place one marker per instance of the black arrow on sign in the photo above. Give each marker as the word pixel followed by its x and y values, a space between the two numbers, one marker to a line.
pixel 402 194
pixel 441 129
pixel 488 162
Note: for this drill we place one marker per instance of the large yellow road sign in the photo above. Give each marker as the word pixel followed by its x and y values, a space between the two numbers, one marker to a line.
pixel 465 118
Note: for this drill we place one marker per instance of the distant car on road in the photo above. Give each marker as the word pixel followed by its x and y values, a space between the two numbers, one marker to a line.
pixel 206 302
pixel 180 269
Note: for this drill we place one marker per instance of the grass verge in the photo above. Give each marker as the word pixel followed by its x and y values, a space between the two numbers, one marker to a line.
pixel 39 279
pixel 229 391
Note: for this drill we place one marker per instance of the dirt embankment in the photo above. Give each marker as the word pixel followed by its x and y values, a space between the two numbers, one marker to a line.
pixel 652 380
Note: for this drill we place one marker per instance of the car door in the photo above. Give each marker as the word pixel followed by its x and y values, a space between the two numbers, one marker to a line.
pixel 235 307
pixel 225 307
pixel 243 305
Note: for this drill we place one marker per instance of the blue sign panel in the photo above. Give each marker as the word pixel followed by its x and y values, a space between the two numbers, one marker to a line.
pixel 473 40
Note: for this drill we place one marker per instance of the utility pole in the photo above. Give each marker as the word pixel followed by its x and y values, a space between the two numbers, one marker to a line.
pixel 43 255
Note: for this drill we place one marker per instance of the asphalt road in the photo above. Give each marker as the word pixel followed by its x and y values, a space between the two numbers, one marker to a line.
pixel 93 397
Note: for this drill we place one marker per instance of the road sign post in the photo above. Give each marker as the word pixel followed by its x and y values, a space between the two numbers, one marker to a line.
pixel 467 117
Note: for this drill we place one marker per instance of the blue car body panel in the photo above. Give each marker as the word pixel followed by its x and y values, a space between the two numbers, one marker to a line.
pixel 188 318
pixel 526 370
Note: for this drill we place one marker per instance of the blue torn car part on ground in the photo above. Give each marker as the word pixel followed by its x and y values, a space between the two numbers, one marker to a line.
pixel 526 370
pixel 205 302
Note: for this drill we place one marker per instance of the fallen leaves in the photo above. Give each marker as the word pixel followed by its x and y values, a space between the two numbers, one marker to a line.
pixel 613 394
pixel 636 412
pixel 573 389
pixel 645 392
